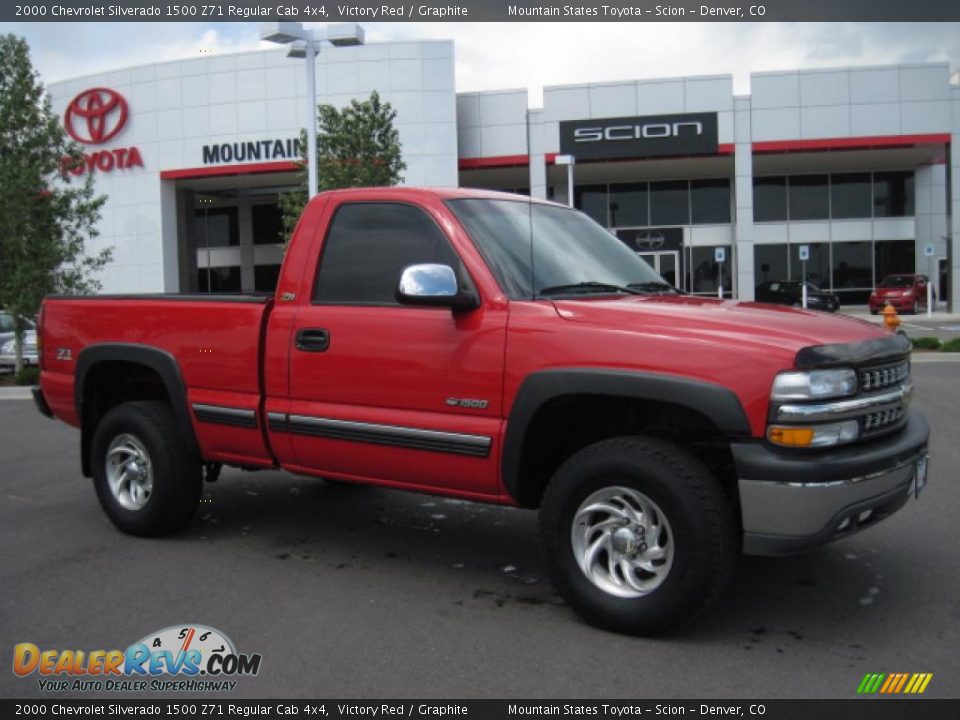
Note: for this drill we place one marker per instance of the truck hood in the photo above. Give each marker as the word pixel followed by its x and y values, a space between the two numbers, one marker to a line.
pixel 758 326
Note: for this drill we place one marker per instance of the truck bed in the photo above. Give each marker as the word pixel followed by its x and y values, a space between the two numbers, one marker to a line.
pixel 215 339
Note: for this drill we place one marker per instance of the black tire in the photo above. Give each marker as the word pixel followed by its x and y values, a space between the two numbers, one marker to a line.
pixel 176 472
pixel 700 519
pixel 913 308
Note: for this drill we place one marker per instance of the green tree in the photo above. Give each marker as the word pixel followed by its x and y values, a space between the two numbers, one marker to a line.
pixel 45 215
pixel 356 147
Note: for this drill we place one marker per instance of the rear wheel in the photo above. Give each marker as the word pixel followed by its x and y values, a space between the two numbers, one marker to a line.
pixel 147 480
pixel 638 535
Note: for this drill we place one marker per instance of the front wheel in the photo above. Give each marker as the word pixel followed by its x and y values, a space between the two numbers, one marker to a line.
pixel 147 480
pixel 639 536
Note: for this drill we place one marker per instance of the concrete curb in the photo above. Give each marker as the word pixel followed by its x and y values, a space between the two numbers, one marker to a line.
pixel 15 393
pixel 934 357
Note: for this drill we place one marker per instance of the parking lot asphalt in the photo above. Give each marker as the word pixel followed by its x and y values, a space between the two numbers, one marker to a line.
pixel 356 592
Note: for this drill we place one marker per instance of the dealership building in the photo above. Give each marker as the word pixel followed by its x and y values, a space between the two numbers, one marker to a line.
pixel 842 176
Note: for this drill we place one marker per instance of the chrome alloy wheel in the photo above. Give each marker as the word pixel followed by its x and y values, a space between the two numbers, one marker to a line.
pixel 622 542
pixel 129 472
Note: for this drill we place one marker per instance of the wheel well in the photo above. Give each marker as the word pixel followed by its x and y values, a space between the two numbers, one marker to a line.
pixel 564 425
pixel 110 383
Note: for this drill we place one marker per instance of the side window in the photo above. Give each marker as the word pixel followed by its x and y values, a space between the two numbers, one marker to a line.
pixel 367 248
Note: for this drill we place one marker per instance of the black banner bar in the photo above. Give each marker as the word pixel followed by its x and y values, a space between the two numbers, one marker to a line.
pixel 858 709
pixel 478 11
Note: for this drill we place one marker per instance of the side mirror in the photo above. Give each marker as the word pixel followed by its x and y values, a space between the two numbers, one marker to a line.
pixel 435 285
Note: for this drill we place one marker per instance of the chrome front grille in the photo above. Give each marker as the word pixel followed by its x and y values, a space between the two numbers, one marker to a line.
pixel 882 419
pixel 873 379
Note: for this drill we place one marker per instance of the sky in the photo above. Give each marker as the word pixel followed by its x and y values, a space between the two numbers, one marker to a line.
pixel 496 56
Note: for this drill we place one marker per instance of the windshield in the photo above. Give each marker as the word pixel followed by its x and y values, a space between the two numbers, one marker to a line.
pixel 897 281
pixel 571 254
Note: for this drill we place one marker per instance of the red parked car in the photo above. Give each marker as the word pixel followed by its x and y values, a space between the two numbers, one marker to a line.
pixel 906 293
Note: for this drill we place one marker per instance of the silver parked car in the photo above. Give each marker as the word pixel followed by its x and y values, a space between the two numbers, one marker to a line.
pixel 6 327
pixel 8 350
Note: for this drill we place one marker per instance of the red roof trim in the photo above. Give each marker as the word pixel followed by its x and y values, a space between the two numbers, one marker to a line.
pixel 499 161
pixel 219 170
pixel 504 161
pixel 852 143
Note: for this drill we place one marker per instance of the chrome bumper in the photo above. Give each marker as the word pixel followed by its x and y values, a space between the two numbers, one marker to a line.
pixel 790 503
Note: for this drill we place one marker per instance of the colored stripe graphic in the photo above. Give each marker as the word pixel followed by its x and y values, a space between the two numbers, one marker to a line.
pixel 894 683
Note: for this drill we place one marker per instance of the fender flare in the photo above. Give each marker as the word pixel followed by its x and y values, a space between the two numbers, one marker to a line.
pixel 160 361
pixel 718 404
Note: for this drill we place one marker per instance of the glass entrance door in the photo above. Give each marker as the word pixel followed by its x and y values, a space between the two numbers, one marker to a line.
pixel 665 263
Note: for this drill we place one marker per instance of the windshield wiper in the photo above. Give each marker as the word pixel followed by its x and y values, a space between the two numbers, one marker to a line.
pixel 654 285
pixel 588 287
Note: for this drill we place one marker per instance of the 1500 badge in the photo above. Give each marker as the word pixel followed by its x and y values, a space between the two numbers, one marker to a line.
pixel 467 403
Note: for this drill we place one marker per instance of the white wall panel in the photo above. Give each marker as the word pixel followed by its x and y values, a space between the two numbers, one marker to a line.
pixel 708 94
pixel 775 124
pixel 775 90
pixel 874 85
pixel 657 98
pixel 829 121
pixel 619 100
pixel 824 88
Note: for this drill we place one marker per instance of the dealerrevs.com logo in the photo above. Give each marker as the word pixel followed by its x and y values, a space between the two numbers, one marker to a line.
pixel 178 658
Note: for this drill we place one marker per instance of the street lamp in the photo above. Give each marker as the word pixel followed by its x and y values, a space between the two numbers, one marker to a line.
pixel 305 43
pixel 569 161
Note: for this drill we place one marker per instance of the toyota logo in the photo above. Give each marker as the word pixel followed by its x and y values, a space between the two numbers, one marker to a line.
pixel 649 240
pixel 96 115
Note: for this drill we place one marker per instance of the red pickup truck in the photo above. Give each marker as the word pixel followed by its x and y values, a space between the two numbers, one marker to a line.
pixel 489 347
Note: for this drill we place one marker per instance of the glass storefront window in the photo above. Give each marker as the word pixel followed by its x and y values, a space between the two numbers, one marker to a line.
pixel 770 199
pixel 267 223
pixel 592 199
pixel 818 266
pixel 628 205
pixel 893 194
pixel 216 227
pixel 850 195
pixel 219 279
pixel 265 277
pixel 669 203
pixel 770 263
pixel 705 272
pixel 809 197
pixel 710 201
pixel 852 266
pixel 893 256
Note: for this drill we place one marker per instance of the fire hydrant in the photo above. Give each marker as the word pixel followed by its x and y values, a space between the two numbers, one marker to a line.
pixel 891 320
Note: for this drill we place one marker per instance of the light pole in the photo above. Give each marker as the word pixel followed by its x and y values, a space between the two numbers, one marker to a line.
pixel 569 161
pixel 305 43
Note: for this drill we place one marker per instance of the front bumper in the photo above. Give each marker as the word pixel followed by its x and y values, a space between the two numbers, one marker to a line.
pixel 899 303
pixel 794 501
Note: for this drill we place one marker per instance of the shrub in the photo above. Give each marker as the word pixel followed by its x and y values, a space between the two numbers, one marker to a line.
pixel 926 343
pixel 951 345
pixel 28 376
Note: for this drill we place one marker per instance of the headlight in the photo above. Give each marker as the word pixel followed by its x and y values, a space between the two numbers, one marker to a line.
pixel 907 293
pixel 8 348
pixel 814 384
pixel 814 435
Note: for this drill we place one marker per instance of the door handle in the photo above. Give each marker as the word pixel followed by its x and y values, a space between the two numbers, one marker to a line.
pixel 313 339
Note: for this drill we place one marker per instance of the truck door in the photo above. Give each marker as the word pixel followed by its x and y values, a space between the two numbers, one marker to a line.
pixel 384 392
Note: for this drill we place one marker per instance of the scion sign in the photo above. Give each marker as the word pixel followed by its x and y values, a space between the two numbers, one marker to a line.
pixel 640 137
